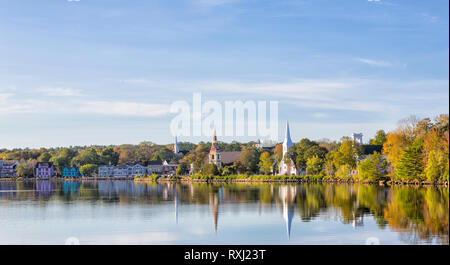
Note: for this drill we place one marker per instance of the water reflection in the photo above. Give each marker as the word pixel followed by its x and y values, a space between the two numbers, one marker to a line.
pixel 418 214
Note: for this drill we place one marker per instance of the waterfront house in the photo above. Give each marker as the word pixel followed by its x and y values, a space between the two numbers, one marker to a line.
pixel 155 167
pixel 169 168
pixel 123 171
pixel 1 165
pixel 45 170
pixel 8 169
pixel 138 170
pixel 106 170
pixel 72 172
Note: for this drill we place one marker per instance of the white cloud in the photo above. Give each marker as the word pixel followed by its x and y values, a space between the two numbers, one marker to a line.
pixel 15 104
pixel 429 18
pixel 60 92
pixel 125 108
pixel 374 62
pixel 10 105
pixel 339 94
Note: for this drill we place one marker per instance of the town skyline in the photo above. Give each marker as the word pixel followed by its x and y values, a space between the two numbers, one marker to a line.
pixel 207 139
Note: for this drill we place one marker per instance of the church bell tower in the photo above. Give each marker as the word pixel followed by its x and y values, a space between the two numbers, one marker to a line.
pixel 214 152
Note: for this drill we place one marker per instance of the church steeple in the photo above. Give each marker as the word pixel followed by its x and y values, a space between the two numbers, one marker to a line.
pixel 214 152
pixel 175 146
pixel 214 137
pixel 214 145
pixel 287 143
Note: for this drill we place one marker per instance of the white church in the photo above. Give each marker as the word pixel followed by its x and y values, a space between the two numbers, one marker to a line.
pixel 288 167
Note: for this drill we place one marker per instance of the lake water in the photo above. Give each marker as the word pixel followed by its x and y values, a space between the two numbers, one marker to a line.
pixel 125 212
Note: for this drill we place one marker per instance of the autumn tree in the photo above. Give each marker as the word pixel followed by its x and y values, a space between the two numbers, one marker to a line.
pixel 346 154
pixel 380 138
pixel 88 156
pixel 88 170
pixel 210 170
pixel 145 151
pixel 314 165
pixel 373 168
pixel 265 163
pixel 201 155
pixel 25 168
pixel 277 154
pixel 249 159
pixel 163 154
pixel 44 157
pixel 127 153
pixel 108 155
pixel 182 169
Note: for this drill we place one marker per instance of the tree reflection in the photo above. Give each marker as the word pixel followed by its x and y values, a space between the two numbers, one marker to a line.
pixel 418 214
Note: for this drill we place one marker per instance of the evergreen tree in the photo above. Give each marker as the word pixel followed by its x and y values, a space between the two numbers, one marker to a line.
pixel 410 164
pixel 372 168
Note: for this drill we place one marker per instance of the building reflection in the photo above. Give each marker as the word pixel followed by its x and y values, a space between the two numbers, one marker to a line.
pixel 287 196
pixel 44 189
pixel 358 221
pixel 70 186
pixel 418 212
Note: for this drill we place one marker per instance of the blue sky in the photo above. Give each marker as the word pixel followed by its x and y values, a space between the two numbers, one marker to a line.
pixel 81 72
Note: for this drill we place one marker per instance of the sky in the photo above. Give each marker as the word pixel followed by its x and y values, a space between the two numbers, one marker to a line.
pixel 101 72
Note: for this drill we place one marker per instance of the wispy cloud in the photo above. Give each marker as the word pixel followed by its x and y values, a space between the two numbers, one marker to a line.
pixel 60 92
pixel 11 103
pixel 429 18
pixel 137 81
pixel 125 108
pixel 374 62
pixel 339 94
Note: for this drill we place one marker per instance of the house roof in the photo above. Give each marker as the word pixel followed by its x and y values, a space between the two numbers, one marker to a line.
pixel 44 164
pixel 229 157
pixel 10 162
pixel 370 149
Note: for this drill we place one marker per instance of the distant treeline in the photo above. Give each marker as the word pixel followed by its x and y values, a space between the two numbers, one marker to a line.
pixel 417 150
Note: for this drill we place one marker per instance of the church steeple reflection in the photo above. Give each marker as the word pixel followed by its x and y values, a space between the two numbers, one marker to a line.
pixel 287 195
pixel 214 200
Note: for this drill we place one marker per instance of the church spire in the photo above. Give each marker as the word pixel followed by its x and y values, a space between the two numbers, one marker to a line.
pixel 214 145
pixel 175 146
pixel 214 137
pixel 287 143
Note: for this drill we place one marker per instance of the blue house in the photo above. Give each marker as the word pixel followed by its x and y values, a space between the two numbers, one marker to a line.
pixel 72 172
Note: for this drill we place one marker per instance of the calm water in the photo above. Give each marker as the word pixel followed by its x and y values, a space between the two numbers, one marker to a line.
pixel 124 212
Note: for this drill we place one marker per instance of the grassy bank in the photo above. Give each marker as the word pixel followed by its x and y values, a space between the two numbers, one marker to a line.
pixel 274 179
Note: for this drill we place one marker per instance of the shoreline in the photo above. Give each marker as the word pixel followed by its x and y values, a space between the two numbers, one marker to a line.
pixel 244 181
